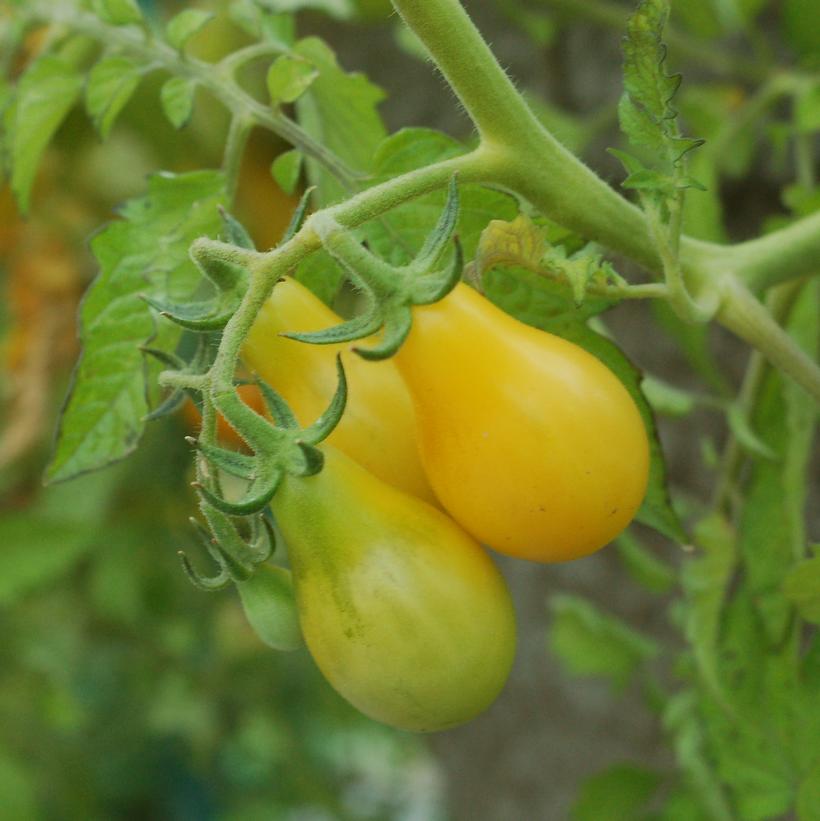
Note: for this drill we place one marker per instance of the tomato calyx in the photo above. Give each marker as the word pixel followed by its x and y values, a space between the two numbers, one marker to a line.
pixel 390 290
pixel 278 448
pixel 236 558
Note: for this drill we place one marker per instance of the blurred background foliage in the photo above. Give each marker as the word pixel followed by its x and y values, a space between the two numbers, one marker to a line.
pixel 125 693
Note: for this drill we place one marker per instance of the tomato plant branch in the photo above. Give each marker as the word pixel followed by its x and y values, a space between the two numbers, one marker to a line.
pixel 743 314
pixel 219 83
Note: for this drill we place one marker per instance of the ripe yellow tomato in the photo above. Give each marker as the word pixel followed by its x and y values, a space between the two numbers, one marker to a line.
pixel 377 428
pixel 530 442
pixel 406 615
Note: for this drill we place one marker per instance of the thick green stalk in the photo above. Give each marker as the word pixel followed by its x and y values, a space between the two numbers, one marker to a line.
pixel 743 314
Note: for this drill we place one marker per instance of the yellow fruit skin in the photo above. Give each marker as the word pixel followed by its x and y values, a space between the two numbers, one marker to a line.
pixel 406 615
pixel 530 442
pixel 377 428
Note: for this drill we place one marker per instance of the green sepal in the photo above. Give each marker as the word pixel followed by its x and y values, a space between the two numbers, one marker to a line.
pixel 299 216
pixel 209 584
pixel 206 583
pixel 234 232
pixel 326 423
pixel 312 460
pixel 196 316
pixel 397 325
pixel 278 408
pixel 360 326
pixel 170 405
pixel 239 556
pixel 237 464
pixel 170 359
pixel 391 290
pixel 434 287
pixel 437 241
pixel 261 491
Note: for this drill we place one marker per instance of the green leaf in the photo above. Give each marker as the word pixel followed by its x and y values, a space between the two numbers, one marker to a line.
pixel 118 12
pixel 645 110
pixel 103 418
pixel 259 24
pixel 111 83
pixel 401 233
pixel 177 98
pixel 286 169
pixel 644 566
pixel 705 579
pixel 289 78
pixel 808 796
pixel 772 527
pixel 682 723
pixel 340 111
pixel 46 93
pixel 618 793
pixel 322 274
pixel 592 643
pixel 801 587
pixel 41 544
pixel 340 9
pixel 185 25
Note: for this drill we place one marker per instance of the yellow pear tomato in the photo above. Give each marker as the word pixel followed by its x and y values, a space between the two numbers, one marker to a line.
pixel 405 614
pixel 378 428
pixel 530 443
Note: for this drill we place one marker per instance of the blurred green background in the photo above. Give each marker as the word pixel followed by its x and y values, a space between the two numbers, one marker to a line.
pixel 127 694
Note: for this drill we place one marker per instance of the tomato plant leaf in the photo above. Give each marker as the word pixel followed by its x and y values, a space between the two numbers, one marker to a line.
pixel 289 78
pixel 185 25
pixel 618 793
pixel 45 94
pixel 772 527
pixel 286 169
pixel 118 12
pixel 111 83
pixel 260 24
pixel 643 565
pixel 591 642
pixel 339 110
pixel 645 111
pixel 801 587
pixel 103 417
pixel 401 233
pixel 177 98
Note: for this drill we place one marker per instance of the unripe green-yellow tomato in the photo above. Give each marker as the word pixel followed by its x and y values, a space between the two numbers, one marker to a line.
pixel 405 614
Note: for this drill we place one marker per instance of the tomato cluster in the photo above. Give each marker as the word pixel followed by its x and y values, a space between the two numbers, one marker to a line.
pixel 480 430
